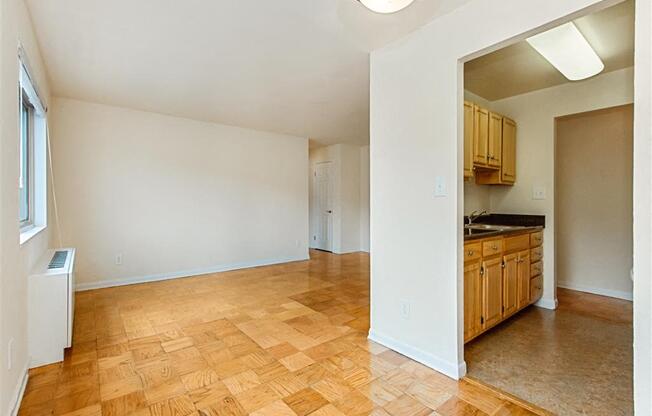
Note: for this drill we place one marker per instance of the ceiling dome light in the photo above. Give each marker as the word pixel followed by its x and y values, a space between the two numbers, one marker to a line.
pixel 568 50
pixel 386 6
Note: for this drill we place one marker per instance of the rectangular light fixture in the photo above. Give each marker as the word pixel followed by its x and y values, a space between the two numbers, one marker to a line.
pixel 568 50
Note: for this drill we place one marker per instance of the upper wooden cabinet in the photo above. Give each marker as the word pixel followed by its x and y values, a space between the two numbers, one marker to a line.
pixel 480 136
pixel 489 146
pixel 468 139
pixel 495 146
pixel 508 171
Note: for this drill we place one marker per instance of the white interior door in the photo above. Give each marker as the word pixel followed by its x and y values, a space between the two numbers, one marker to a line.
pixel 323 202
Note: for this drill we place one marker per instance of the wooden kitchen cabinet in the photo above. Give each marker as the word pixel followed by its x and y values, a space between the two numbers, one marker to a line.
pixel 489 146
pixel 508 166
pixel 523 279
pixel 510 284
pixel 500 279
pixel 492 288
pixel 473 322
pixel 480 136
pixel 468 139
pixel 495 141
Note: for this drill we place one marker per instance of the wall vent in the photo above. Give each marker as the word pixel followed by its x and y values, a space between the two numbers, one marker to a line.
pixel 58 260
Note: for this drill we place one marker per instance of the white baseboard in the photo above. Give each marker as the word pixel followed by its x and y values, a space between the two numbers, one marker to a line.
pixel 19 392
pixel 185 273
pixel 452 370
pixel 598 291
pixel 547 303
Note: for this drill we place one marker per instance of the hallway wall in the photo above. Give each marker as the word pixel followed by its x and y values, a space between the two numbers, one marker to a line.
pixel 593 201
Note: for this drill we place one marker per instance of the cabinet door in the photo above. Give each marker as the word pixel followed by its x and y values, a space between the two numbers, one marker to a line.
pixel 523 279
pixel 508 172
pixel 510 284
pixel 492 291
pixel 472 300
pixel 480 135
pixel 495 146
pixel 468 139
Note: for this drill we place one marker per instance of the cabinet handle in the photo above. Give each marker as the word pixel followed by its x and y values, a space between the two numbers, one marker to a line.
pixel 494 247
pixel 470 253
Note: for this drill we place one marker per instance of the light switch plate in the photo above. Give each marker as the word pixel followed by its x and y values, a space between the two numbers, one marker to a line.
pixel 538 192
pixel 440 186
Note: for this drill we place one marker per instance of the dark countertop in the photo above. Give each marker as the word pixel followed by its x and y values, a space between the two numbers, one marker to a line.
pixel 521 224
pixel 470 235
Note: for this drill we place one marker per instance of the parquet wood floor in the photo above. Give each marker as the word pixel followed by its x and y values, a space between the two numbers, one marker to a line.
pixel 270 341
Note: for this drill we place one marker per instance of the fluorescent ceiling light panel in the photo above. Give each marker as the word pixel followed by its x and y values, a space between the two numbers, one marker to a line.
pixel 567 50
pixel 386 6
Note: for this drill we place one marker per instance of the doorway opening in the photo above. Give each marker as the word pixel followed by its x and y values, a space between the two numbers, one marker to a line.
pixel 547 204
pixel 322 201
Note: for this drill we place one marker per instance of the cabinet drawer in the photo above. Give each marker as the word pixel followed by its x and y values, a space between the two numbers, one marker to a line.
pixel 520 242
pixel 536 254
pixel 536 268
pixel 472 251
pixel 536 288
pixel 536 239
pixel 492 247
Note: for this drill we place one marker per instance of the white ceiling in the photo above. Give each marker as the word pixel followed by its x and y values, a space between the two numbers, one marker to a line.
pixel 290 66
pixel 518 68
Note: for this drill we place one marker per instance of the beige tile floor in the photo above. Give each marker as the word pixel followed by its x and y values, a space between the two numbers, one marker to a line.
pixel 576 360
pixel 271 341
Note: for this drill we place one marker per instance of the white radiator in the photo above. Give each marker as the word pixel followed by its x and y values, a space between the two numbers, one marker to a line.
pixel 51 306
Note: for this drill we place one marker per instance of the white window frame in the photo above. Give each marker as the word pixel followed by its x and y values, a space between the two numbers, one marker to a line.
pixel 27 181
pixel 36 180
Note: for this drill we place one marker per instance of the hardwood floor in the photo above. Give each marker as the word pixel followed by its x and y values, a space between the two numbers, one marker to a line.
pixel 270 341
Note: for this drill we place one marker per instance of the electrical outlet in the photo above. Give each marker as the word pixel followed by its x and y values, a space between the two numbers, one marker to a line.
pixel 118 259
pixel 10 354
pixel 538 192
pixel 405 309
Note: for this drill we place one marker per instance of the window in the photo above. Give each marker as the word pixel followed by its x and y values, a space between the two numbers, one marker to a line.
pixel 32 179
pixel 24 185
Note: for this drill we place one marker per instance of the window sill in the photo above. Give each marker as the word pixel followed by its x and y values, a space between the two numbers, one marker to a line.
pixel 31 232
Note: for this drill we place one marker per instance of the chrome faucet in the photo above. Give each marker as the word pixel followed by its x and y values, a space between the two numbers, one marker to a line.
pixel 474 215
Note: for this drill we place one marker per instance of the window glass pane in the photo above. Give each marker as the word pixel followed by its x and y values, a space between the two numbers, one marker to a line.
pixel 24 164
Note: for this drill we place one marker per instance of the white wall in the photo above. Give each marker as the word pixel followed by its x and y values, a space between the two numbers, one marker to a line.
pixel 364 198
pixel 643 211
pixel 593 201
pixel 348 198
pixel 15 260
pixel 476 197
pixel 416 135
pixel 174 196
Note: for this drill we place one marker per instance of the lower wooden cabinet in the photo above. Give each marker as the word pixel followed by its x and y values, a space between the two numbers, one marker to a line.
pixel 510 284
pixel 536 288
pixel 473 321
pixel 523 279
pixel 500 282
pixel 492 288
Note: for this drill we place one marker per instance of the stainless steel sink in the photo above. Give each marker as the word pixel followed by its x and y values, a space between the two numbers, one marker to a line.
pixel 490 227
